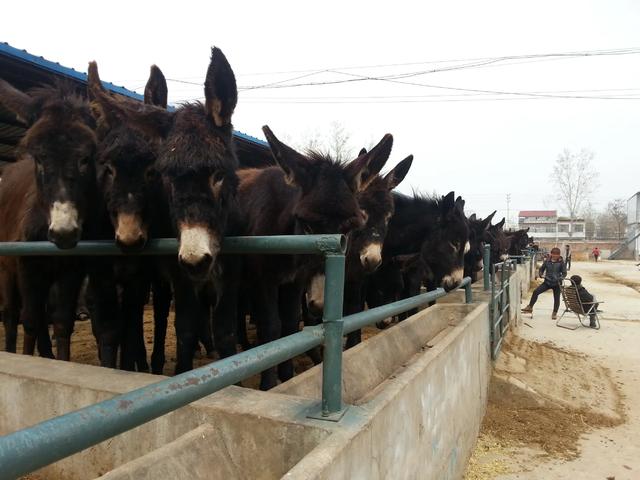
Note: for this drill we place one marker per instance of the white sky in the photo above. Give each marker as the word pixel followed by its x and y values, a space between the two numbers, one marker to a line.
pixel 482 149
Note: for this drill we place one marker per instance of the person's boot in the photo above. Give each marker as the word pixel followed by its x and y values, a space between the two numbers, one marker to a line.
pixel 528 309
pixel 554 316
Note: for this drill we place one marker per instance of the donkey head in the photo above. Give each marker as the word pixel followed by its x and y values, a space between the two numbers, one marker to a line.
pixel 196 163
pixel 477 231
pixel 376 202
pixel 327 189
pixel 62 144
pixel 444 251
pixel 125 166
pixel 499 241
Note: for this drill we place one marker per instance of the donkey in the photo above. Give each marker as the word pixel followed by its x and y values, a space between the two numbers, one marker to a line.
pixel 473 259
pixel 196 164
pixel 519 240
pixel 129 188
pixel 499 241
pixel 428 238
pixel 47 194
pixel 364 250
pixel 304 194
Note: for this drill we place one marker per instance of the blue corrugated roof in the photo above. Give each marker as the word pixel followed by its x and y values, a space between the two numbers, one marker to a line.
pixel 58 69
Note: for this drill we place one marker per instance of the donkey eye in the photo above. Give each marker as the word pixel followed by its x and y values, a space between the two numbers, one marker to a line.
pixel 215 182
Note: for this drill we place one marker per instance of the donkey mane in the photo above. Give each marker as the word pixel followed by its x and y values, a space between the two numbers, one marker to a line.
pixel 61 94
pixel 193 118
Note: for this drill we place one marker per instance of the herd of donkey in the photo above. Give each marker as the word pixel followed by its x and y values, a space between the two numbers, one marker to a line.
pixel 93 165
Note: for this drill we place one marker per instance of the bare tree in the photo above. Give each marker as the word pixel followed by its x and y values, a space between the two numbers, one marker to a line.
pixel 336 142
pixel 575 179
pixel 617 213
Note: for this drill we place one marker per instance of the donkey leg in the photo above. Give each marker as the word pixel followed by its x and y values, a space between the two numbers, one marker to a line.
pixel 34 292
pixel 64 314
pixel 10 316
pixel 353 304
pixel 290 313
pixel 265 306
pixel 226 311
pixel 105 318
pixel 161 306
pixel 188 314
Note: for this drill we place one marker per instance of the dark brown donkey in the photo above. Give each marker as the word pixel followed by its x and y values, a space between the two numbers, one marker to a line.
pixel 304 194
pixel 364 251
pixel 129 188
pixel 197 169
pixel 47 194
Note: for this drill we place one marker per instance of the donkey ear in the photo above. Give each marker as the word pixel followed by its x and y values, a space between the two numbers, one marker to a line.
pixel 100 110
pixel 16 101
pixel 500 224
pixel 156 91
pixel 362 151
pixel 220 89
pixel 153 121
pixel 472 218
pixel 291 162
pixel 486 223
pixel 364 168
pixel 526 230
pixel 397 174
pixel 448 202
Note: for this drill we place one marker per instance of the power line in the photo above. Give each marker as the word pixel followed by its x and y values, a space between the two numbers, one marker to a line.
pixel 478 62
pixel 399 76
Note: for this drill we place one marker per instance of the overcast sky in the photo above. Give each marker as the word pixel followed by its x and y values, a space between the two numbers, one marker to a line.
pixel 482 146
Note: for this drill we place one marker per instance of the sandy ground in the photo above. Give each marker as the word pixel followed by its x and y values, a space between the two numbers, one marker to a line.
pixel 83 346
pixel 566 404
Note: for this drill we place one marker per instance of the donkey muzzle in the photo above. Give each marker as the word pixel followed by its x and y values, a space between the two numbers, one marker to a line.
pixel 371 257
pixel 131 235
pixel 198 251
pixel 64 229
pixel 451 281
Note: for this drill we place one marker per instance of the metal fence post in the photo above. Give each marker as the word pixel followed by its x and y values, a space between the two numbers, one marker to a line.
pixel 486 272
pixel 468 295
pixel 333 331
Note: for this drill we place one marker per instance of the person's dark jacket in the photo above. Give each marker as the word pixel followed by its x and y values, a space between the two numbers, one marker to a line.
pixel 553 272
pixel 585 296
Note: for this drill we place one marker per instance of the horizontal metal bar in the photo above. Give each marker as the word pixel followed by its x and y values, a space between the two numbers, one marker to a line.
pixel 362 319
pixel 52 440
pixel 277 244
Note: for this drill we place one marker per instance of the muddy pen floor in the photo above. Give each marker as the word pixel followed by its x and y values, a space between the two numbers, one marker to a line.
pixel 83 346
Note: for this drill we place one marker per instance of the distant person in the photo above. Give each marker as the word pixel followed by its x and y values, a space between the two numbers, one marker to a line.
pixel 596 253
pixel 554 271
pixel 586 298
pixel 567 256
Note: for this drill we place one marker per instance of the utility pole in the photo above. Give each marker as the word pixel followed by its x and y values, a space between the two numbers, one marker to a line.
pixel 508 203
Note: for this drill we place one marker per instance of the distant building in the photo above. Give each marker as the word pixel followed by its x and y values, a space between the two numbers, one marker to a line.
pixel 633 224
pixel 547 225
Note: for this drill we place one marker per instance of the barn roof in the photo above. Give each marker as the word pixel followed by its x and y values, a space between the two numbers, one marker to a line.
pixel 25 70
pixel 538 213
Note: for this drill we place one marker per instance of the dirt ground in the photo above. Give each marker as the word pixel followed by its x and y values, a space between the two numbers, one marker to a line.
pixel 566 404
pixel 83 346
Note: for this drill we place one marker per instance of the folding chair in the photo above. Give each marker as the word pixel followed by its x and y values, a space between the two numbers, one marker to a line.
pixel 572 303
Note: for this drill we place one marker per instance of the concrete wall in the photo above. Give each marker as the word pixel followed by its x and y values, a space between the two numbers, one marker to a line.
pixel 262 433
pixel 417 393
pixel 422 422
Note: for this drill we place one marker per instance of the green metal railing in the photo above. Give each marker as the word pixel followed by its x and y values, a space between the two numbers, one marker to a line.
pixel 498 279
pixel 52 440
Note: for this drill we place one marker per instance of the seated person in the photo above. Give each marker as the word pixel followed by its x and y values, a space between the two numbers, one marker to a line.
pixel 586 298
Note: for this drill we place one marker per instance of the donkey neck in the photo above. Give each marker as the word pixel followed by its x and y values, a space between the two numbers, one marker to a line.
pixel 413 220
